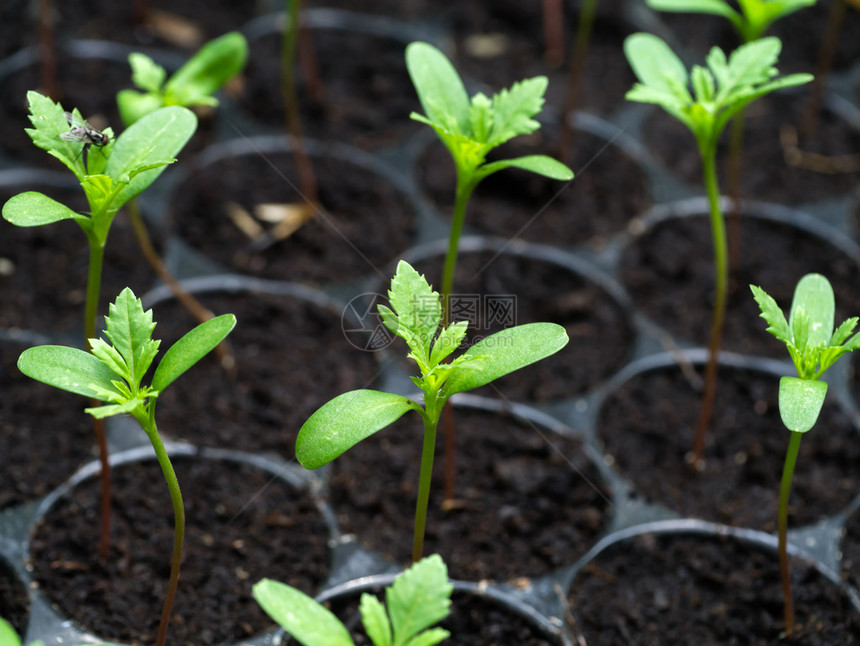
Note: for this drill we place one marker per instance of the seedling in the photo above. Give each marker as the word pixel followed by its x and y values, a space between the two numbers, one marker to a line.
pixel 110 175
pixel 417 599
pixel 416 316
pixel 193 85
pixel 470 129
pixel 814 346
pixel 113 373
pixel 720 91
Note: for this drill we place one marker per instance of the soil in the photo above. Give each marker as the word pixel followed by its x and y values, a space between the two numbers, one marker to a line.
pixel 528 501
pixel 669 273
pixel 517 204
pixel 647 427
pixel 365 97
pixel 851 550
pixel 44 279
pixel 367 223
pixel 474 619
pixel 14 601
pixel 598 327
pixel 291 358
pixel 675 589
pixel 44 433
pixel 766 176
pixel 241 525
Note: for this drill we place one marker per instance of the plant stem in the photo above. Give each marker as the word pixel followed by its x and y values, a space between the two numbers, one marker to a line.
pixel 94 279
pixel 784 491
pixel 424 478
pixel 553 32
pixel 721 275
pixel 736 143
pixel 823 67
pixel 579 55
pixel 201 313
pixel 178 527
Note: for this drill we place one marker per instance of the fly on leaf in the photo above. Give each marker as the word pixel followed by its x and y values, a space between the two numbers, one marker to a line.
pixel 83 132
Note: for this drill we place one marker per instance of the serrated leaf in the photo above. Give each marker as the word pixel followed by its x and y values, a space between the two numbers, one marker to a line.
pixel 192 347
pixel 481 117
pixel 146 73
pixel 98 188
pixel 109 356
pixel 514 107
pixel 703 84
pixel 418 598
pixel 843 332
pixel 429 637
pixel 506 351
pixel 33 209
pixel 440 89
pixel 67 369
pixel 416 304
pixel 374 620
pixel 109 410
pixel 129 328
pixel 770 312
pixel 346 420
pixel 48 124
pixel 448 341
pixel 310 623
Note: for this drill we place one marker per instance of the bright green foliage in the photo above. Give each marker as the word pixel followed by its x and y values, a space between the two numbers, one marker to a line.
pixel 8 636
pixel 720 91
pixel 114 372
pixel 472 128
pixel 751 22
pixel 415 316
pixel 417 599
pixel 193 84
pixel 811 341
pixel 110 175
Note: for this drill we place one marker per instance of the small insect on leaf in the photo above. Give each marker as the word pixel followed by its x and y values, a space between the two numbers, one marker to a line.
pixel 83 132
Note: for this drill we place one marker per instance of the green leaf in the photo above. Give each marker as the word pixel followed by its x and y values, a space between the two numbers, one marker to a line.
pixel 843 332
pixel 154 138
pixel 814 297
pixel 346 420
pixel 507 351
pixel 440 89
pixel 539 164
pixel 770 312
pixel 656 65
pixel 513 109
pixel 109 356
pixel 33 209
pixel 429 637
pixel 800 402
pixel 146 73
pixel 309 623
pixel 448 340
pixel 192 347
pixel 8 636
pixel 374 620
pixel 48 124
pixel 133 105
pixel 481 117
pixel 67 369
pixel 109 410
pixel 419 598
pixel 417 307
pixel 207 71
pixel 129 328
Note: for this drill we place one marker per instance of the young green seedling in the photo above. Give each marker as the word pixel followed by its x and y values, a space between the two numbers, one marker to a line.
pixel 113 373
pixel 719 92
pixel 194 84
pixel 111 175
pixel 417 599
pixel 416 316
pixel 814 346
pixel 470 129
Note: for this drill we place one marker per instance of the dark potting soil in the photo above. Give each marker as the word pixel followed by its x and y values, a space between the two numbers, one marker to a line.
pixel 241 525
pixel 291 358
pixel 511 290
pixel 851 550
pixel 676 589
pixel 669 273
pixel 608 190
pixel 367 223
pixel 44 279
pixel 528 501
pixel 474 619
pixel 766 175
pixel 647 428
pixel 365 94
pixel 44 433
pixel 14 600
